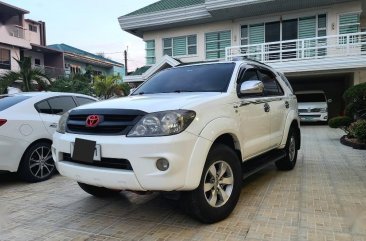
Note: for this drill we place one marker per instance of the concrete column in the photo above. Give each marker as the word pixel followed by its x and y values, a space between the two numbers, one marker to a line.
pixel 359 77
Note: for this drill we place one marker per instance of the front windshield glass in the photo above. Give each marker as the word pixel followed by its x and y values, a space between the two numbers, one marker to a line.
pixel 316 97
pixel 196 78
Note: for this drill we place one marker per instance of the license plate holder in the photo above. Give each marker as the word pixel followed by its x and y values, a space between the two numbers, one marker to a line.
pixel 85 151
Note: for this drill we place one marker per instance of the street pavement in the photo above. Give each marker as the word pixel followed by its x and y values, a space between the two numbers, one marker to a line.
pixel 323 198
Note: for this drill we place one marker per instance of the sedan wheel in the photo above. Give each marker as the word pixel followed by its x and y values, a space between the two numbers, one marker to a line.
pixel 37 163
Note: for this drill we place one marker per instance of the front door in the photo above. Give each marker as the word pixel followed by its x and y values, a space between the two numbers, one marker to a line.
pixel 254 120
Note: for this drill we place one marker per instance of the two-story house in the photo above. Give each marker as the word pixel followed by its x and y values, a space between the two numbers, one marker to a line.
pixel 319 45
pixel 20 37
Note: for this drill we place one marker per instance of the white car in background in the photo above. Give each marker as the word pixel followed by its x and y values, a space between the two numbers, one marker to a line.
pixel 27 123
pixel 312 105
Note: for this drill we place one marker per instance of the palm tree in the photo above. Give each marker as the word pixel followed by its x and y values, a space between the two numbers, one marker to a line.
pixel 106 86
pixel 27 75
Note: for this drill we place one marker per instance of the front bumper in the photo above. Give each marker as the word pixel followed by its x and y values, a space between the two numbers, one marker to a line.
pixel 142 153
pixel 313 117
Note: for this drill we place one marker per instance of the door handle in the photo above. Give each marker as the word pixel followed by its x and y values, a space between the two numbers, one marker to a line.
pixel 267 108
pixel 287 105
pixel 53 125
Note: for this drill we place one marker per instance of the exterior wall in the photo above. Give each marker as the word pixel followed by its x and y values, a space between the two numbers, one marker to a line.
pixel 7 38
pixel 359 77
pixel 14 53
pixel 33 56
pixel 32 37
pixel 332 12
pixel 118 71
pixel 199 30
pixel 83 66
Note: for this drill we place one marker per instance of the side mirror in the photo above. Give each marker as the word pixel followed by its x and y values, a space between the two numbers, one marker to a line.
pixel 330 100
pixel 251 87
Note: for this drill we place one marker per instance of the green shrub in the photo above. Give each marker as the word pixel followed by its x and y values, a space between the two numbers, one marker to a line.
pixel 358 130
pixel 340 122
pixel 355 98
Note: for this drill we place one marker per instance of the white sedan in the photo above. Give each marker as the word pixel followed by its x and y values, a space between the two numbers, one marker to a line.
pixel 27 123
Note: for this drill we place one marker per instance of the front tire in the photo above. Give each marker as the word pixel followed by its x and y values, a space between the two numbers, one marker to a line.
pixel 219 189
pixel 37 164
pixel 98 191
pixel 289 161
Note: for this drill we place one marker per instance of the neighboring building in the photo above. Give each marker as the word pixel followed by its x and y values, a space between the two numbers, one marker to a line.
pixel 77 61
pixel 319 45
pixel 21 37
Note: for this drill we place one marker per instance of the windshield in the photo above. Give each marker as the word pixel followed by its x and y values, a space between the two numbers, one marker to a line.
pixel 196 78
pixel 7 101
pixel 316 97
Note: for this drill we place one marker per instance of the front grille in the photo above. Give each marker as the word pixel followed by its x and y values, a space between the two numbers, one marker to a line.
pixel 309 110
pixel 311 116
pixel 114 121
pixel 123 164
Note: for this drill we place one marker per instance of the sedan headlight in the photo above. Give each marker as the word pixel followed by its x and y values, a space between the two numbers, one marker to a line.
pixel 164 123
pixel 61 127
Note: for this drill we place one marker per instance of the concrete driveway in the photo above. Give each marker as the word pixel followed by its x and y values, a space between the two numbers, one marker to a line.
pixel 323 198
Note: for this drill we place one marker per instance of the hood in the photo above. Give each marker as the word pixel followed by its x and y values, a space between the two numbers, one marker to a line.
pixel 154 102
pixel 312 105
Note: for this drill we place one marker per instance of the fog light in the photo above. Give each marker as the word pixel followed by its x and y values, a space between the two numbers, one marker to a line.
pixel 162 164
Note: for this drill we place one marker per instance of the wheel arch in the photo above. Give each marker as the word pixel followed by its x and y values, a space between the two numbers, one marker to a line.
pixel 33 143
pixel 292 122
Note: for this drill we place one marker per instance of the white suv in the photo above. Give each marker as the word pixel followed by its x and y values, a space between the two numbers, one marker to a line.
pixel 198 129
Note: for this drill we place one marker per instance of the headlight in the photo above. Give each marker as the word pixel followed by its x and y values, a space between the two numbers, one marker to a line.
pixel 164 123
pixel 61 127
pixel 323 110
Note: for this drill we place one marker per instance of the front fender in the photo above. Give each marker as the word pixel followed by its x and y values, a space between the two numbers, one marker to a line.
pixel 207 136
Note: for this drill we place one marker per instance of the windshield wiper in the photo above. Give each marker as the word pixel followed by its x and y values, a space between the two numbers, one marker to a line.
pixel 180 91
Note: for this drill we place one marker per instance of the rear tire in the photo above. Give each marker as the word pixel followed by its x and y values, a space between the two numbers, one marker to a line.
pixel 289 161
pixel 219 189
pixel 98 191
pixel 37 164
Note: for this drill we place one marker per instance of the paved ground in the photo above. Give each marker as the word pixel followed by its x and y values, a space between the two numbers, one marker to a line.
pixel 324 198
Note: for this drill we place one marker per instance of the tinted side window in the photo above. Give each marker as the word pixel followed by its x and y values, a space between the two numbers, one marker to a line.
pixel 62 104
pixel 43 107
pixel 7 101
pixel 271 87
pixel 286 81
pixel 83 100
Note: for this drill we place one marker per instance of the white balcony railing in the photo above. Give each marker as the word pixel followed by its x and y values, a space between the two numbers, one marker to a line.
pixel 302 49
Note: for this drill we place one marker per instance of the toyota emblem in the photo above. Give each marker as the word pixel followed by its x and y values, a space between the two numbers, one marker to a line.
pixel 92 121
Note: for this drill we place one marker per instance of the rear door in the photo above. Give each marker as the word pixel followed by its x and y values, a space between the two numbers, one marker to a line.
pixel 50 110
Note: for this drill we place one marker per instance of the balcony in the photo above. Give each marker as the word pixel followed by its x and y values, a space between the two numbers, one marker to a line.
pixel 345 51
pixel 16 31
pixel 51 72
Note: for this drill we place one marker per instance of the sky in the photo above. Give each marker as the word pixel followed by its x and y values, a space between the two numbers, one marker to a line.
pixel 90 25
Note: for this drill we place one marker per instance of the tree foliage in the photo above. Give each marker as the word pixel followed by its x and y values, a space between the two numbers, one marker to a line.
pixel 107 86
pixel 77 83
pixel 30 78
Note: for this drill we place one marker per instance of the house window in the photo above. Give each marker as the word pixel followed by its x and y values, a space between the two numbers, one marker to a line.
pixel 37 61
pixel 32 28
pixel 349 23
pixel 216 43
pixel 150 52
pixel 180 46
pixel 4 58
